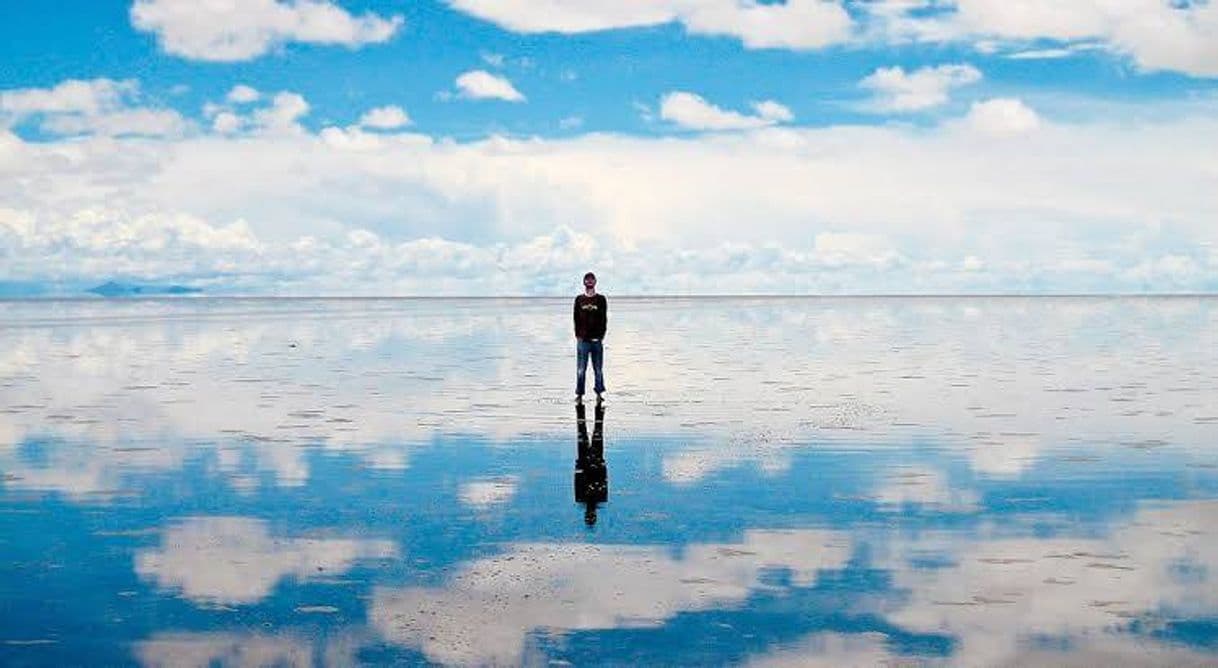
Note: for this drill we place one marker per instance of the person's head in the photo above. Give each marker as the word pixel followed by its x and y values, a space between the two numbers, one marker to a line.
pixel 589 281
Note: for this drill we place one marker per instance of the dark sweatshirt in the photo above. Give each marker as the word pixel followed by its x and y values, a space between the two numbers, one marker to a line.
pixel 590 317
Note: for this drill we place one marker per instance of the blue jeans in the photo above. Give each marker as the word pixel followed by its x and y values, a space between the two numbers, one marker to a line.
pixel 585 349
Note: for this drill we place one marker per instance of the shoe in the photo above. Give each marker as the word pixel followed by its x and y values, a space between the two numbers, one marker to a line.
pixel 600 398
pixel 579 399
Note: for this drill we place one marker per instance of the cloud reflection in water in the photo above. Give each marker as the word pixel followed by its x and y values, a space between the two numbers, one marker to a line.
pixel 972 482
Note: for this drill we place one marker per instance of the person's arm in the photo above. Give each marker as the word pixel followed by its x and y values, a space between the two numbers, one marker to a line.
pixel 575 316
pixel 604 315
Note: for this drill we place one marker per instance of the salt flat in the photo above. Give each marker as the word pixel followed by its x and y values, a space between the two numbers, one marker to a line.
pixel 792 481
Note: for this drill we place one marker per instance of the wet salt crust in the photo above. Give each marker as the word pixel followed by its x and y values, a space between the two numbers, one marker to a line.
pixel 833 481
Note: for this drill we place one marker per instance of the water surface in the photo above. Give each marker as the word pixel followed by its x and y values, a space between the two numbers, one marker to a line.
pixel 938 481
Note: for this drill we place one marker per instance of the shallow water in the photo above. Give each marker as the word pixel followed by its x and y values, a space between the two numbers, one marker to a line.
pixel 989 481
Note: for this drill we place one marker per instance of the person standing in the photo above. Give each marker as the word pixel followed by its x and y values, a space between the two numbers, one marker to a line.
pixel 591 318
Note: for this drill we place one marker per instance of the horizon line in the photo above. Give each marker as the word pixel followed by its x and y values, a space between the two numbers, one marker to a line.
pixel 628 296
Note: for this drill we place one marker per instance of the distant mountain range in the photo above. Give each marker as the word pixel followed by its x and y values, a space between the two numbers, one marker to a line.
pixel 118 289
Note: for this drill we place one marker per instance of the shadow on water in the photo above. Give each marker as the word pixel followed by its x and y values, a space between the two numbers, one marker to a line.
pixel 591 472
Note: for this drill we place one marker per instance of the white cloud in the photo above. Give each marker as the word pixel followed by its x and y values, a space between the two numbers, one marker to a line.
pixel 286 110
pixel 235 30
pixel 1172 269
pixel 567 16
pixel 796 24
pixel 1002 116
pixel 385 118
pixel 1066 50
pixel 226 123
pixel 234 560
pixel 242 94
pixel 106 242
pixel 1040 54
pixel 1157 35
pixel 72 96
pixel 131 122
pixel 98 106
pixel 925 88
pixel 248 110
pixel 773 111
pixel 917 201
pixel 848 248
pixel 694 112
pixel 482 85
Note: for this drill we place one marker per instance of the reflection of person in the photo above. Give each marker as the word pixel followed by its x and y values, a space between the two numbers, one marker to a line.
pixel 591 473
pixel 591 317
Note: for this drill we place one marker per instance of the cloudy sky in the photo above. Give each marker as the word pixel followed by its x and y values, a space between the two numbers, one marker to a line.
pixel 410 147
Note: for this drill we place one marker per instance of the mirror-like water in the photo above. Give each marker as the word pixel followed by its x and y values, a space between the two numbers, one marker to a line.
pixel 771 481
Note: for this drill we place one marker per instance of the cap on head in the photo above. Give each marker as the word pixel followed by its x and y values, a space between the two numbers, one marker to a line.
pixel 589 277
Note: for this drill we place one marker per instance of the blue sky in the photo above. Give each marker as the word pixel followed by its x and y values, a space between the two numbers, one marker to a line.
pixel 885 146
